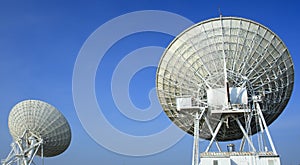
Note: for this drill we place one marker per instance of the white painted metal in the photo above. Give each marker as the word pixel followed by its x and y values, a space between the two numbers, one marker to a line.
pixel 238 95
pixel 266 128
pixel 256 59
pixel 248 124
pixel 226 66
pixel 215 134
pixel 37 128
pixel 184 103
pixel 196 140
pixel 24 149
pixel 217 97
pixel 212 132
pixel 245 134
pixel 41 119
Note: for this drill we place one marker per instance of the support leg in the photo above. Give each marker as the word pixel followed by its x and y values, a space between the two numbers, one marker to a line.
pixel 248 128
pixel 196 140
pixel 245 134
pixel 215 134
pixel 211 132
pixel 266 128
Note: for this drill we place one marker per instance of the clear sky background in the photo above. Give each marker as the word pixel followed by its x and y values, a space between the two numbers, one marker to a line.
pixel 39 43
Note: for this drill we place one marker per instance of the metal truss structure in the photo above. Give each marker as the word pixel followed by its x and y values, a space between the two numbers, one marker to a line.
pixel 225 79
pixel 24 149
pixel 38 129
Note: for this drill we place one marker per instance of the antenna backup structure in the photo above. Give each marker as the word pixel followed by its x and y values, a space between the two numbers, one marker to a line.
pixel 37 128
pixel 226 79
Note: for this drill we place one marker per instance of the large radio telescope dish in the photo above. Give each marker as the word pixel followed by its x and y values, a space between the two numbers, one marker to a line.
pixel 255 58
pixel 43 120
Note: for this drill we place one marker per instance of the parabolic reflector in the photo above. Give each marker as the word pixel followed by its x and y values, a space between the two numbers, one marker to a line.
pixel 43 120
pixel 256 62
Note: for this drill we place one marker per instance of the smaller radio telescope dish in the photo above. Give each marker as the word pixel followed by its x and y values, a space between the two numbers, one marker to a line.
pixel 37 128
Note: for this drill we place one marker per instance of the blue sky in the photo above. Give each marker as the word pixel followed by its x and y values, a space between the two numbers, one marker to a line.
pixel 40 41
